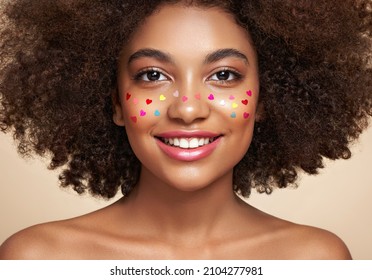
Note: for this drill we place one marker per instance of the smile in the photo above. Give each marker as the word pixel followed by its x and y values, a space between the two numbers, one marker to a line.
pixel 188 146
pixel 187 143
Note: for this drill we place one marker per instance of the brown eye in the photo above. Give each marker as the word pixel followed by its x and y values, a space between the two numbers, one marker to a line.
pixel 151 76
pixel 223 75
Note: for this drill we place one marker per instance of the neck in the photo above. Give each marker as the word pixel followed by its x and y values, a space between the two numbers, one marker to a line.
pixel 175 212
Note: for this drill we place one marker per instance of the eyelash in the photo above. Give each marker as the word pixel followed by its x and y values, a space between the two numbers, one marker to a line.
pixel 237 77
pixel 140 76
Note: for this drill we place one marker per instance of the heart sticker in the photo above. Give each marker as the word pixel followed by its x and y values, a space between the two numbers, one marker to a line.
pixel 211 97
pixel 148 101
pixel 142 113
pixel 134 119
pixel 233 115
pixel 184 98
pixel 176 93
pixel 197 96
pixel 231 97
pixel 249 92
pixel 157 113
pixel 135 101
pixel 245 101
pixel 222 102
pixel 234 105
pixel 245 115
pixel 128 95
pixel 162 97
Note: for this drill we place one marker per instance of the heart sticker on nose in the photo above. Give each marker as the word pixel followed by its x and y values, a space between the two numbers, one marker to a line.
pixel 245 115
pixel 245 101
pixel 142 113
pixel 249 92
pixel 211 97
pixel 176 93
pixel 157 113
pixel 234 105
pixel 134 119
pixel 184 98
pixel 162 97
pixel 128 95
pixel 148 101
pixel 197 96
pixel 233 115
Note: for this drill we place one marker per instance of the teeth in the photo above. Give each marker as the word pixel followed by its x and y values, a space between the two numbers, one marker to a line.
pixel 194 143
pixel 184 143
pixel 188 143
pixel 176 142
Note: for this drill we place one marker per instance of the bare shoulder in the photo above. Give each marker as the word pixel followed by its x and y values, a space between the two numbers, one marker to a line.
pixel 75 238
pixel 311 243
pixel 36 242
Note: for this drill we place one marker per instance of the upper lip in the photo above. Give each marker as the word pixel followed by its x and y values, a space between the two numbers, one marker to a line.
pixel 188 134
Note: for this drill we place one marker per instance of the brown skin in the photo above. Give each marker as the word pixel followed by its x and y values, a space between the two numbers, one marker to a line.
pixel 179 210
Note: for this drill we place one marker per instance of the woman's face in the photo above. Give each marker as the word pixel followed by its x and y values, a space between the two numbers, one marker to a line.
pixel 188 89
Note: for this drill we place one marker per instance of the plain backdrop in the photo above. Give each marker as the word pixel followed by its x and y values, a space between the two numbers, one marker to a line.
pixel 338 199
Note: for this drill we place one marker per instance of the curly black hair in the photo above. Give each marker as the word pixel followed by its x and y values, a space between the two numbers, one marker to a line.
pixel 59 68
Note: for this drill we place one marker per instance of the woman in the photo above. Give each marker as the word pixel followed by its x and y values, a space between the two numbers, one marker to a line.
pixel 184 105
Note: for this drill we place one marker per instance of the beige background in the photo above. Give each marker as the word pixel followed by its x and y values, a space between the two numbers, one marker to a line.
pixel 339 199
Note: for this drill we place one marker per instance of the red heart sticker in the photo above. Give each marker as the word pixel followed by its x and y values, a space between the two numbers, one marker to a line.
pixel 134 119
pixel 245 101
pixel 148 101
pixel 128 95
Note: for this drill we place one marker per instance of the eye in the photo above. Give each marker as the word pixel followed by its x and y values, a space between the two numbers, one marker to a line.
pixel 225 76
pixel 151 75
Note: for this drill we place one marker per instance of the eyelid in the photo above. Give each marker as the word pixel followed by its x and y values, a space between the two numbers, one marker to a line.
pixel 237 74
pixel 143 71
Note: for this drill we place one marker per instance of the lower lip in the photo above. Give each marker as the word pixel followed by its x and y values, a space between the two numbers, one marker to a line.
pixel 188 154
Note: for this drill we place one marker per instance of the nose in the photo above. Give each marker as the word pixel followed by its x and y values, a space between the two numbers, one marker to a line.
pixel 189 107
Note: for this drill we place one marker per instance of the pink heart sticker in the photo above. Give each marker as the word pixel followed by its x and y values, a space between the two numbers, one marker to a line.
pixel 135 101
pixel 245 115
pixel 184 98
pixel 142 113
pixel 249 92
pixel 231 97
pixel 211 97
pixel 197 96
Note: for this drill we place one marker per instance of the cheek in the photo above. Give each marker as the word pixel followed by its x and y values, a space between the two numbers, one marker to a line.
pixel 147 109
pixel 142 109
pixel 236 106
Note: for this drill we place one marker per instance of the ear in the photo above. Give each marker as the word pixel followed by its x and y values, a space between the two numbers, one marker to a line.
pixel 118 116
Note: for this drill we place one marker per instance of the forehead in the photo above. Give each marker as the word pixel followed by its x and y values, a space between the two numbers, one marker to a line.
pixel 178 29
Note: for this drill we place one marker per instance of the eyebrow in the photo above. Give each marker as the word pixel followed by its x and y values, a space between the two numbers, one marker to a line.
pixel 223 53
pixel 165 57
pixel 153 53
